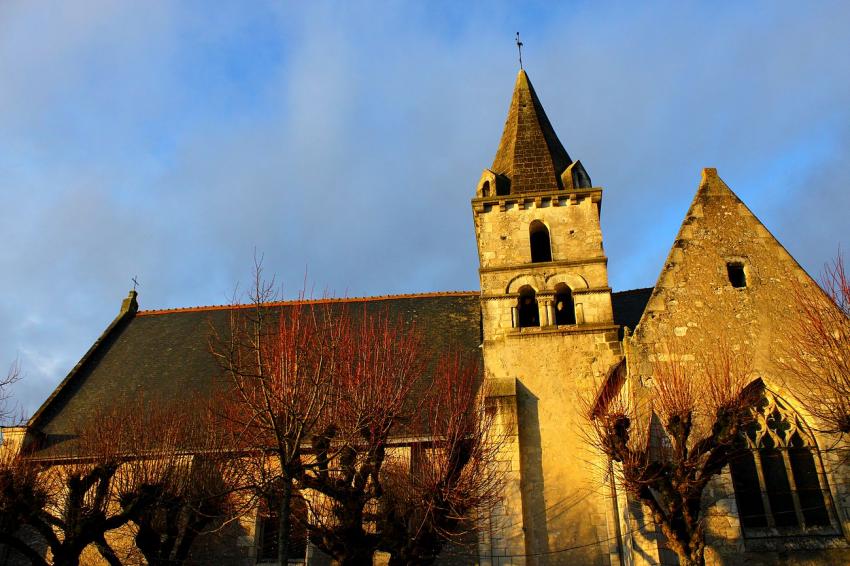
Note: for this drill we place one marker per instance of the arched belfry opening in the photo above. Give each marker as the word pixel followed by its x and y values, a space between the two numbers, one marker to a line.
pixel 527 312
pixel 565 311
pixel 485 189
pixel 541 249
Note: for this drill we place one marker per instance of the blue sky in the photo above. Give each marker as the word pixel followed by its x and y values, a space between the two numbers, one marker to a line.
pixel 169 140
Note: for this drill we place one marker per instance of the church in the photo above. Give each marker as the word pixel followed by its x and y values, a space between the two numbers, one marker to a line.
pixel 549 328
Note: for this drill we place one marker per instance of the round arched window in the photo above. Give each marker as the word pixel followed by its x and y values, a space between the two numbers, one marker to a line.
pixel 541 249
pixel 527 312
pixel 565 310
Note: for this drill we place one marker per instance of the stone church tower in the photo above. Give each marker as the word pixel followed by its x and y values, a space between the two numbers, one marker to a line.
pixel 548 336
pixel 552 336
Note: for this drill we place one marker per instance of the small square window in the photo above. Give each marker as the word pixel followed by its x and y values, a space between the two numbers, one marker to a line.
pixel 737 277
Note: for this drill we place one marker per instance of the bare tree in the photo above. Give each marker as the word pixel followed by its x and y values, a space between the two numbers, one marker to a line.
pixel 670 446
pixel 814 350
pixel 185 468
pixel 7 409
pixel 64 508
pixel 21 492
pixel 374 395
pixel 451 480
pixel 321 397
pixel 138 462
pixel 279 361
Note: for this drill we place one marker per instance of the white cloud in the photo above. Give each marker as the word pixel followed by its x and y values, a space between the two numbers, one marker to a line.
pixel 168 140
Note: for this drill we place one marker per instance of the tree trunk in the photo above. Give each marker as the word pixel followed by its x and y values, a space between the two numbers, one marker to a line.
pixel 67 558
pixel 692 560
pixel 106 552
pixel 284 523
pixel 692 554
pixel 356 558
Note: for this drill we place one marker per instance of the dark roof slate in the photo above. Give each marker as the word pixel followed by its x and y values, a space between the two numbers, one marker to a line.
pixel 629 306
pixel 165 354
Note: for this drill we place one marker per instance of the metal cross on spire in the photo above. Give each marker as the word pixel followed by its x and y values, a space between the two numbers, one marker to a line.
pixel 135 282
pixel 519 48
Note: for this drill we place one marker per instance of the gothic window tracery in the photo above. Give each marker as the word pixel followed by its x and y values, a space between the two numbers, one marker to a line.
pixel 777 478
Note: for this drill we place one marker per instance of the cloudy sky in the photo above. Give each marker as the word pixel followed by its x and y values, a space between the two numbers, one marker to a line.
pixel 169 140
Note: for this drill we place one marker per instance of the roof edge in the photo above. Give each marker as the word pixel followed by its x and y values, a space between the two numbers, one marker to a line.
pixel 208 308
pixel 633 291
pixel 710 179
pixel 127 312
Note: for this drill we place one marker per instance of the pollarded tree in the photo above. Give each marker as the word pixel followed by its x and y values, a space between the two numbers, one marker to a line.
pixel 405 458
pixel 183 465
pixel 279 362
pixel 814 349
pixel 64 507
pixel 670 446
pixel 21 488
pixel 128 465
pixel 451 480
pixel 320 396
pixel 374 397
pixel 20 493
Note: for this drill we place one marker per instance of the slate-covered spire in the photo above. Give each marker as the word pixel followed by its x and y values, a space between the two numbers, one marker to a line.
pixel 530 155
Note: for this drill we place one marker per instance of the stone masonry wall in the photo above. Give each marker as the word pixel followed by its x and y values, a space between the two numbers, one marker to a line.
pixel 564 505
pixel 694 305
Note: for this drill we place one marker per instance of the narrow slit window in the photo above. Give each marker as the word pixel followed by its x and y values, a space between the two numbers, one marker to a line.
pixel 737 276
pixel 541 250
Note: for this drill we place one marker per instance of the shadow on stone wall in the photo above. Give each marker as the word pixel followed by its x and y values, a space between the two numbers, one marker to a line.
pixel 532 483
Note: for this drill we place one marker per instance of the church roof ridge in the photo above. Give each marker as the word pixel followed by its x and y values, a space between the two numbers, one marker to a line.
pixel 636 290
pixel 327 300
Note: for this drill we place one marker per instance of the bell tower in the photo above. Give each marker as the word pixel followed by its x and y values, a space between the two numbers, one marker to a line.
pixel 549 335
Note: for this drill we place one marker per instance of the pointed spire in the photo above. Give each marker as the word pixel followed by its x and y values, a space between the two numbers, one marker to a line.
pixel 530 154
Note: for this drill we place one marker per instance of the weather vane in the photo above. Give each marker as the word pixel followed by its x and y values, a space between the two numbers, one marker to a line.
pixel 519 48
pixel 135 282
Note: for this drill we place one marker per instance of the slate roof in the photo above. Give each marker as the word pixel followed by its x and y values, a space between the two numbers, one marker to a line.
pixel 530 154
pixel 629 306
pixel 165 353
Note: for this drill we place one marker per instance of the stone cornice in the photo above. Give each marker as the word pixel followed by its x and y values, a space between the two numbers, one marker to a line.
pixel 591 290
pixel 542 266
pixel 527 200
pixel 588 328
pixel 548 294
